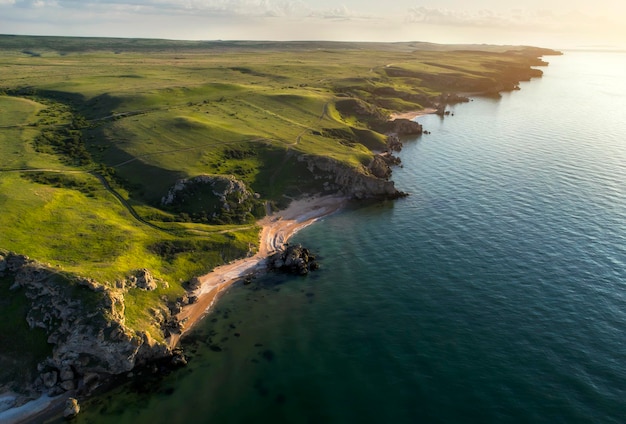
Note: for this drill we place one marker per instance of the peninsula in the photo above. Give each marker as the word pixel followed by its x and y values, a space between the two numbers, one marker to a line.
pixel 139 178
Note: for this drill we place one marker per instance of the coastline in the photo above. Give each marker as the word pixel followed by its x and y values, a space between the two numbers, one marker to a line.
pixel 277 228
pixel 36 410
pixel 276 231
pixel 412 114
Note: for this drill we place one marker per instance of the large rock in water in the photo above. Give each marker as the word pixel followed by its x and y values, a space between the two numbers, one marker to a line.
pixel 294 260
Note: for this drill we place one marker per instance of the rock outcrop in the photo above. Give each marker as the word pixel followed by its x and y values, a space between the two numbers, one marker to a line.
pixel 72 408
pixel 295 259
pixel 212 198
pixel 379 167
pixel 85 323
pixel 393 143
pixel 143 279
pixel 358 183
pixel 224 187
pixel 400 127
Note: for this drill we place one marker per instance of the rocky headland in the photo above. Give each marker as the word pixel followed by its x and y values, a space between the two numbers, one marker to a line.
pixel 85 321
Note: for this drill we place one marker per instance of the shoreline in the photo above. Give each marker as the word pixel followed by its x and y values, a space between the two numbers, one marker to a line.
pixel 36 410
pixel 411 115
pixel 277 228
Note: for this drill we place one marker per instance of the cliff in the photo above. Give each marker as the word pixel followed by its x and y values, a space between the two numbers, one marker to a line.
pixel 84 322
pixel 357 183
pixel 216 148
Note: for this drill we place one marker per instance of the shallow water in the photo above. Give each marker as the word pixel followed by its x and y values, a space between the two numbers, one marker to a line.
pixel 494 293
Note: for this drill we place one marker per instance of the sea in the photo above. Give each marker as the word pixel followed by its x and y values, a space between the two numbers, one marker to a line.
pixel 494 293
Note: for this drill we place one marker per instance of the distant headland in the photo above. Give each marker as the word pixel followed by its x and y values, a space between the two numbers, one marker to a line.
pixel 140 178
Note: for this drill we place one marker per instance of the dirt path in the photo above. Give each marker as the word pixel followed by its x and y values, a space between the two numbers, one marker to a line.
pixel 104 183
pixel 125 203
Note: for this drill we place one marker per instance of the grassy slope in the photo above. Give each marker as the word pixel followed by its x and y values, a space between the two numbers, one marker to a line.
pixel 157 111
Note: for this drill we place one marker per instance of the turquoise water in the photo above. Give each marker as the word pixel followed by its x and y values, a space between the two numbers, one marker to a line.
pixel 496 292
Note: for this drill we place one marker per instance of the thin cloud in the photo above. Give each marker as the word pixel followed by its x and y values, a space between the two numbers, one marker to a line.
pixel 516 19
pixel 29 4
pixel 237 8
pixel 339 13
pixel 484 17
pixel 305 19
pixel 212 7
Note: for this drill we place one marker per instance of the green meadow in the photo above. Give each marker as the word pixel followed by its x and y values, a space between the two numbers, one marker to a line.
pixel 94 132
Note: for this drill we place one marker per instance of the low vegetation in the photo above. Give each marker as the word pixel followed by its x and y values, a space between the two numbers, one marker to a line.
pixel 95 132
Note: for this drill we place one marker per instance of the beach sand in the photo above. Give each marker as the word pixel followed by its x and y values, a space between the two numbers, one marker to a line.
pixel 276 230
pixel 413 114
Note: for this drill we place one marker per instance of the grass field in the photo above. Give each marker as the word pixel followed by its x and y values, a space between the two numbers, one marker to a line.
pixel 94 132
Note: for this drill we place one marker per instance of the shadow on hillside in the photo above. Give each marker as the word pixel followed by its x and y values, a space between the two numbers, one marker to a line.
pixel 145 182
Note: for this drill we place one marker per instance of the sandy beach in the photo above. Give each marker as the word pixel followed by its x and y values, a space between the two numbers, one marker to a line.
pixel 413 114
pixel 276 231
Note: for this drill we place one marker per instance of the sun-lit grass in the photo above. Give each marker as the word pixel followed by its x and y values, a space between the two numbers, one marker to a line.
pixel 151 112
pixel 96 236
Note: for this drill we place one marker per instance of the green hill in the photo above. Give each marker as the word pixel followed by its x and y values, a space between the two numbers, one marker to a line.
pixel 94 133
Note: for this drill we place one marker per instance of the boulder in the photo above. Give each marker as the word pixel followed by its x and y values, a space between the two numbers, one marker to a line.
pixel 67 385
pixel 145 280
pixel 72 408
pixel 294 260
pixel 49 378
pixel 66 374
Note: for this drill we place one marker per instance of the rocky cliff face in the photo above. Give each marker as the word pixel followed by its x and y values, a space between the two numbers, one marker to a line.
pixel 212 198
pixel 358 183
pixel 225 188
pixel 84 322
pixel 400 127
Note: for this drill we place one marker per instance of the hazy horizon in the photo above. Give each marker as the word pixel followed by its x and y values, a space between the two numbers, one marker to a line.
pixel 548 23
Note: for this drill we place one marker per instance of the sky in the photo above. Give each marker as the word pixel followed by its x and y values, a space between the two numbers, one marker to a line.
pixel 547 23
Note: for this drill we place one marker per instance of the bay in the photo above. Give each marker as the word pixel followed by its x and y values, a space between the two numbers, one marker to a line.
pixel 495 292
